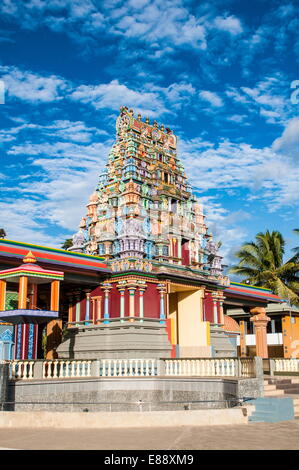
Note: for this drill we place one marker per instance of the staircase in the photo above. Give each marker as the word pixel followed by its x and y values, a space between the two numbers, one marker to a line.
pixel 222 344
pixel 280 401
pixel 272 410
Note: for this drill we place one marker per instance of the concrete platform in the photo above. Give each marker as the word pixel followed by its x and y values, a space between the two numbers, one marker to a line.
pixel 77 420
pixel 253 436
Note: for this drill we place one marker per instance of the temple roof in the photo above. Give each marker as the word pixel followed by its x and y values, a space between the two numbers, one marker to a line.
pixel 30 269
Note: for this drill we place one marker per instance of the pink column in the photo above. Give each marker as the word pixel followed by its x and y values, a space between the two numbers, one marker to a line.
pixel 260 321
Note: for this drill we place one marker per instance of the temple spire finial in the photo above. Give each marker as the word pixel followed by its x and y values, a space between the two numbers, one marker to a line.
pixel 29 258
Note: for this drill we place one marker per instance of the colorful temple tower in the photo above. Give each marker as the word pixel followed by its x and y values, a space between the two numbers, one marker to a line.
pixel 164 294
pixel 143 207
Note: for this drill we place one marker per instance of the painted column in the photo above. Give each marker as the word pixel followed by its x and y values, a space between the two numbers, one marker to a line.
pixel 23 288
pixel 141 301
pixel 221 302
pixel 32 329
pixel 260 321
pixel 32 296
pixel 162 289
pixel 215 312
pixel 106 288
pixel 2 294
pixel 132 289
pixel 70 309
pixel 243 348
pixel 87 311
pixel 78 309
pixel 54 305
pixel 96 302
pixel 54 327
pixel 122 287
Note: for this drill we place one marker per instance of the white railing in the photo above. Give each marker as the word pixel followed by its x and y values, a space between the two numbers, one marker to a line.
pixel 21 370
pixel 247 367
pixel 225 367
pixel 286 365
pixel 128 367
pixel 66 369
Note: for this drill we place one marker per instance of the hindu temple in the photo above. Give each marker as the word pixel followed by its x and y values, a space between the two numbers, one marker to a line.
pixel 143 277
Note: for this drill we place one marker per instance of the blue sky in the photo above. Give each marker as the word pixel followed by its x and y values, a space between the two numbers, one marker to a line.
pixel 219 74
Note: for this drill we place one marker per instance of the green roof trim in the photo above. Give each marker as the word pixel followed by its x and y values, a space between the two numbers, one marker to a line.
pixel 54 250
pixel 248 285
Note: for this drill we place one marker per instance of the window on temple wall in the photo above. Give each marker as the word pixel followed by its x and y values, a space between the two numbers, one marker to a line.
pixel 165 251
pixel 160 157
pixel 166 177
pixel 174 205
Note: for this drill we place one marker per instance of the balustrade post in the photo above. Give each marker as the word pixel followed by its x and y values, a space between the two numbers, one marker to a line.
pixel 38 369
pixel 272 367
pixel 161 367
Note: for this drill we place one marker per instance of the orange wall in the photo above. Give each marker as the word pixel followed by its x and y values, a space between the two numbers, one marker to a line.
pixel 290 334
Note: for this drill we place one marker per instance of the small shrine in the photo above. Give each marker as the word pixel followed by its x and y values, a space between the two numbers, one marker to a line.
pixel 28 276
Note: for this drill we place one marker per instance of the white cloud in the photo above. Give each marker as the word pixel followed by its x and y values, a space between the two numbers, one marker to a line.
pixel 269 98
pixel 30 86
pixel 212 98
pixel 231 24
pixel 113 94
pixel 264 173
pixel 160 20
pixel 288 143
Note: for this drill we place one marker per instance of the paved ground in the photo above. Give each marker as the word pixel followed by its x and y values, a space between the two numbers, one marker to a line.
pixel 260 436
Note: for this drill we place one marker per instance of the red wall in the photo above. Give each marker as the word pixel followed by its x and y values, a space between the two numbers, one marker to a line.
pixel 151 301
pixel 209 308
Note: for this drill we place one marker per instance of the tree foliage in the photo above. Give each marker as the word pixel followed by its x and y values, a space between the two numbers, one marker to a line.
pixel 261 264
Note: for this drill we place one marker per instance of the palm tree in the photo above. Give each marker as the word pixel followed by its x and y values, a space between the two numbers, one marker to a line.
pixel 261 264
pixel 296 249
pixel 67 243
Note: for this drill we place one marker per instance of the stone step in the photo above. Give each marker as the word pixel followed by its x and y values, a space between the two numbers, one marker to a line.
pixel 273 393
pixel 281 386
pixel 292 391
pixel 269 387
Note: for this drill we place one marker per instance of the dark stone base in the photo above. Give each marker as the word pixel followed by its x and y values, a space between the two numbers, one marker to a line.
pixel 116 340
pixel 130 394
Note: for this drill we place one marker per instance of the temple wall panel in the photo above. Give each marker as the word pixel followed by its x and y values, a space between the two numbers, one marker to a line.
pixel 114 307
pixel 151 301
pixel 208 308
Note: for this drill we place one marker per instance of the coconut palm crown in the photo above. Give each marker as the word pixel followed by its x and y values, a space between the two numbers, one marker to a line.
pixel 261 264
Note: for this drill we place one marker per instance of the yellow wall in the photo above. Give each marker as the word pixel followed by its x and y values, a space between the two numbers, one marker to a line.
pixel 193 333
pixel 173 302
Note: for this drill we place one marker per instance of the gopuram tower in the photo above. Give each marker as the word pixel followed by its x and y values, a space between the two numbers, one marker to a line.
pixel 165 293
pixel 143 207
